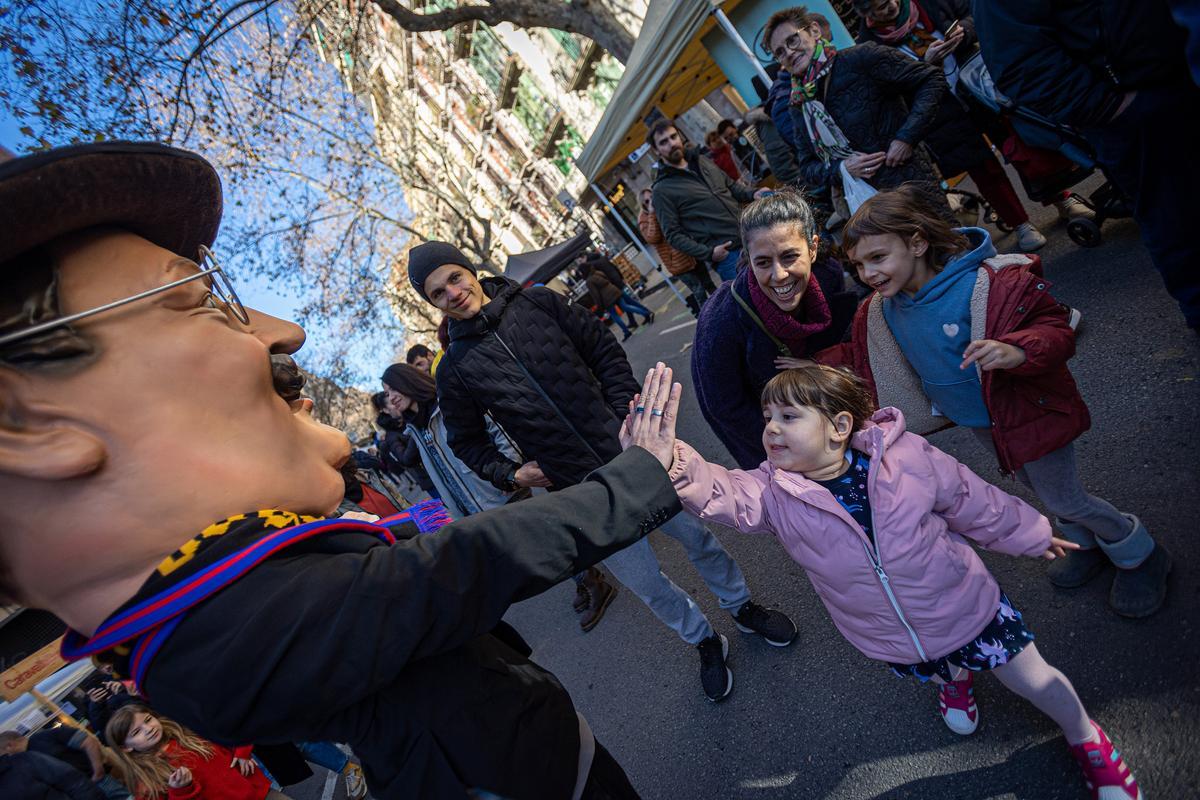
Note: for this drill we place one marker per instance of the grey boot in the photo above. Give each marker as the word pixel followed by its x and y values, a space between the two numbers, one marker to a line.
pixel 1079 566
pixel 1140 585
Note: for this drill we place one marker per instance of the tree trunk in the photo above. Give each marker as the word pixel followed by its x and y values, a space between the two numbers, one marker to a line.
pixel 587 18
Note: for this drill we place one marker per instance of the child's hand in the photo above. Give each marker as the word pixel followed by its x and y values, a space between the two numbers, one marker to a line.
pixel 1058 548
pixel 990 354
pixel 180 778
pixel 787 362
pixel 651 421
pixel 244 766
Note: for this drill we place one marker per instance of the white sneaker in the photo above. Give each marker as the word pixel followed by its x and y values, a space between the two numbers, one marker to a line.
pixel 1029 238
pixel 956 702
pixel 1075 318
pixel 1070 208
pixel 356 783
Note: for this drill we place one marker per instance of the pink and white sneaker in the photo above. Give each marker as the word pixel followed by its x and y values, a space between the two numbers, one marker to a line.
pixel 956 701
pixel 1104 770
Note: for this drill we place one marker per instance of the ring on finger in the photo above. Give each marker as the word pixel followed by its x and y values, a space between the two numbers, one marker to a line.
pixel 654 412
pixel 640 409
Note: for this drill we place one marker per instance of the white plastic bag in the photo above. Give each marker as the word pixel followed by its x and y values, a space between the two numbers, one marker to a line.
pixel 857 190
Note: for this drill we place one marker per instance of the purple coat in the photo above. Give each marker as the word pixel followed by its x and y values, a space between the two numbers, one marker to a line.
pixel 732 359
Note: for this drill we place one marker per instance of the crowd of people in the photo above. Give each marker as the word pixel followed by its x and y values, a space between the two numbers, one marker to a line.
pixel 310 608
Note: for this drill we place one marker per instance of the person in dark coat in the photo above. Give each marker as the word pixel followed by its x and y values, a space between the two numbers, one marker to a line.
pixel 745 336
pixel 398 452
pixel 609 297
pixel 558 383
pixel 866 107
pixel 918 28
pixel 33 776
pixel 213 580
pixel 1116 71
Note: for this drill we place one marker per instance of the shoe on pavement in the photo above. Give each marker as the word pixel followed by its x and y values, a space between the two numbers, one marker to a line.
pixel 1077 568
pixel 1141 591
pixel 1075 317
pixel 956 702
pixel 1104 770
pixel 625 338
pixel 649 319
pixel 1029 238
pixel 715 675
pixel 600 594
pixel 356 782
pixel 774 626
pixel 581 598
pixel 1070 207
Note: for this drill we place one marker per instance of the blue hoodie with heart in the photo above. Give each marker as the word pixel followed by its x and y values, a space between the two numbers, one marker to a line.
pixel 933 328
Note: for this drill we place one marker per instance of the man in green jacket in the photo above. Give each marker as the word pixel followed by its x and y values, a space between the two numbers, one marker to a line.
pixel 697 204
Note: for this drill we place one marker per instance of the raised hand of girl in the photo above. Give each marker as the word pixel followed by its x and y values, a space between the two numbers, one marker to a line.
pixel 991 354
pixel 652 414
pixel 180 778
pixel 1058 548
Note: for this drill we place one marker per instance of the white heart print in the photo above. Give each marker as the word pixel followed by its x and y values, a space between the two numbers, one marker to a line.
pixel 950 329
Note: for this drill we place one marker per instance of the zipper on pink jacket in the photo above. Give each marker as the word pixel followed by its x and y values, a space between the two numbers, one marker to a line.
pixel 876 560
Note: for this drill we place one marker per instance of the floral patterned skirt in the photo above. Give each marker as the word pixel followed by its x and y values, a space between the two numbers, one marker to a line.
pixel 1004 637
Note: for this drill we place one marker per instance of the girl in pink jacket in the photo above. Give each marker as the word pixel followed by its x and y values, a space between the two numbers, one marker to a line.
pixel 880 520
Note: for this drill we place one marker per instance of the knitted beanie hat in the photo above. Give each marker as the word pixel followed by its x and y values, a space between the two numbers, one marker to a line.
pixel 425 258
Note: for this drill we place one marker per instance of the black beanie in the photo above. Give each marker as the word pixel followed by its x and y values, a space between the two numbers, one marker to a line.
pixel 425 258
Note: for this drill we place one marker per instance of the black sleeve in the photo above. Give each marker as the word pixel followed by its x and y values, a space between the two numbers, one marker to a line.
pixel 466 428
pixel 335 628
pixel 98 715
pixel 411 456
pixel 611 272
pixel 598 348
pixel 923 85
pixel 672 228
pixel 1027 61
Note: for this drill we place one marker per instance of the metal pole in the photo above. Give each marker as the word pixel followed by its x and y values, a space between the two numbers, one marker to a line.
pixel 637 241
pixel 733 34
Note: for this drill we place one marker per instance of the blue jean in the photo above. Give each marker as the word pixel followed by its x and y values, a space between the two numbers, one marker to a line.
pixel 324 754
pixel 638 569
pixel 630 305
pixel 727 267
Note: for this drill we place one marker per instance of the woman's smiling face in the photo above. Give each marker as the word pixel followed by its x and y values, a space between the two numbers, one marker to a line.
pixel 793 45
pixel 781 262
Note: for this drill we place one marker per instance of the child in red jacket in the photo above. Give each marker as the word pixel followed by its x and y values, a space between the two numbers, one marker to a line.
pixel 160 757
pixel 956 334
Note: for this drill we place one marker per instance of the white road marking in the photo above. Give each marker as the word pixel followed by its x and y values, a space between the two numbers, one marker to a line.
pixel 665 331
pixel 330 786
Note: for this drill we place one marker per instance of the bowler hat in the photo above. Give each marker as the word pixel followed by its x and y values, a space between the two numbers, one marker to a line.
pixel 168 196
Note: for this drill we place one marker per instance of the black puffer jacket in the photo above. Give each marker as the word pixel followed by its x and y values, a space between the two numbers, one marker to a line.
pixel 521 337
pixel 33 776
pixel 876 94
pixel 1073 60
pixel 955 140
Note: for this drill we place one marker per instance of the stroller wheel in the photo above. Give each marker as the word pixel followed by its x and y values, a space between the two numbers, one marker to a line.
pixel 1084 232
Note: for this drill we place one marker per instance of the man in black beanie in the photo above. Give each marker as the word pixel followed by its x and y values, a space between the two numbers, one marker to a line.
pixel 557 381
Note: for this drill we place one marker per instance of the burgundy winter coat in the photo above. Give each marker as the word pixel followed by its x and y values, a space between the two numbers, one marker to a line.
pixel 1035 408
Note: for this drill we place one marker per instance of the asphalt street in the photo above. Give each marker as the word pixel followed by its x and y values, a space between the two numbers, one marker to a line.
pixel 819 720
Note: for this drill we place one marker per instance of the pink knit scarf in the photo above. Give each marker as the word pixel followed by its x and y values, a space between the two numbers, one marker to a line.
pixel 810 317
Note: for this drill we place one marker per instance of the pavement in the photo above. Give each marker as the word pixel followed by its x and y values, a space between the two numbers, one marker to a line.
pixel 818 719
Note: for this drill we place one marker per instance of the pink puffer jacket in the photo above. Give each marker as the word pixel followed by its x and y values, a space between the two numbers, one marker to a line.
pixel 925 593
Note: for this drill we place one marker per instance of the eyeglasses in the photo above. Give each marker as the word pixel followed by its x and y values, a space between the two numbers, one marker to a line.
pixel 791 43
pixel 219 285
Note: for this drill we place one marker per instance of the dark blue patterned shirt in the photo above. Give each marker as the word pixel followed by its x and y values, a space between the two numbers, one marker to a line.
pixel 850 490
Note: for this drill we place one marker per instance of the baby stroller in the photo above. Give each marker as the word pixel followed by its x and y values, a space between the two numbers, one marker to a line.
pixel 1034 130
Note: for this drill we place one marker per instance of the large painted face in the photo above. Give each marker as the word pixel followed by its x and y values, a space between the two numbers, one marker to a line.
pixel 175 421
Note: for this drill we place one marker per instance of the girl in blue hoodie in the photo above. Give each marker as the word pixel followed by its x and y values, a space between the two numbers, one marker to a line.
pixel 955 334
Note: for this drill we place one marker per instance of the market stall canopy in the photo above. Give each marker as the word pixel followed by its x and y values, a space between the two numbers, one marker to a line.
pixel 542 265
pixel 669 68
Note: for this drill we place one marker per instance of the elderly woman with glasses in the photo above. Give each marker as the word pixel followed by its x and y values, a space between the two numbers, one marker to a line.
pixel 865 109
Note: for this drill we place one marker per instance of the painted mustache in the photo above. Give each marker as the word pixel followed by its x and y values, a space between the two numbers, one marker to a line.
pixel 286 376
